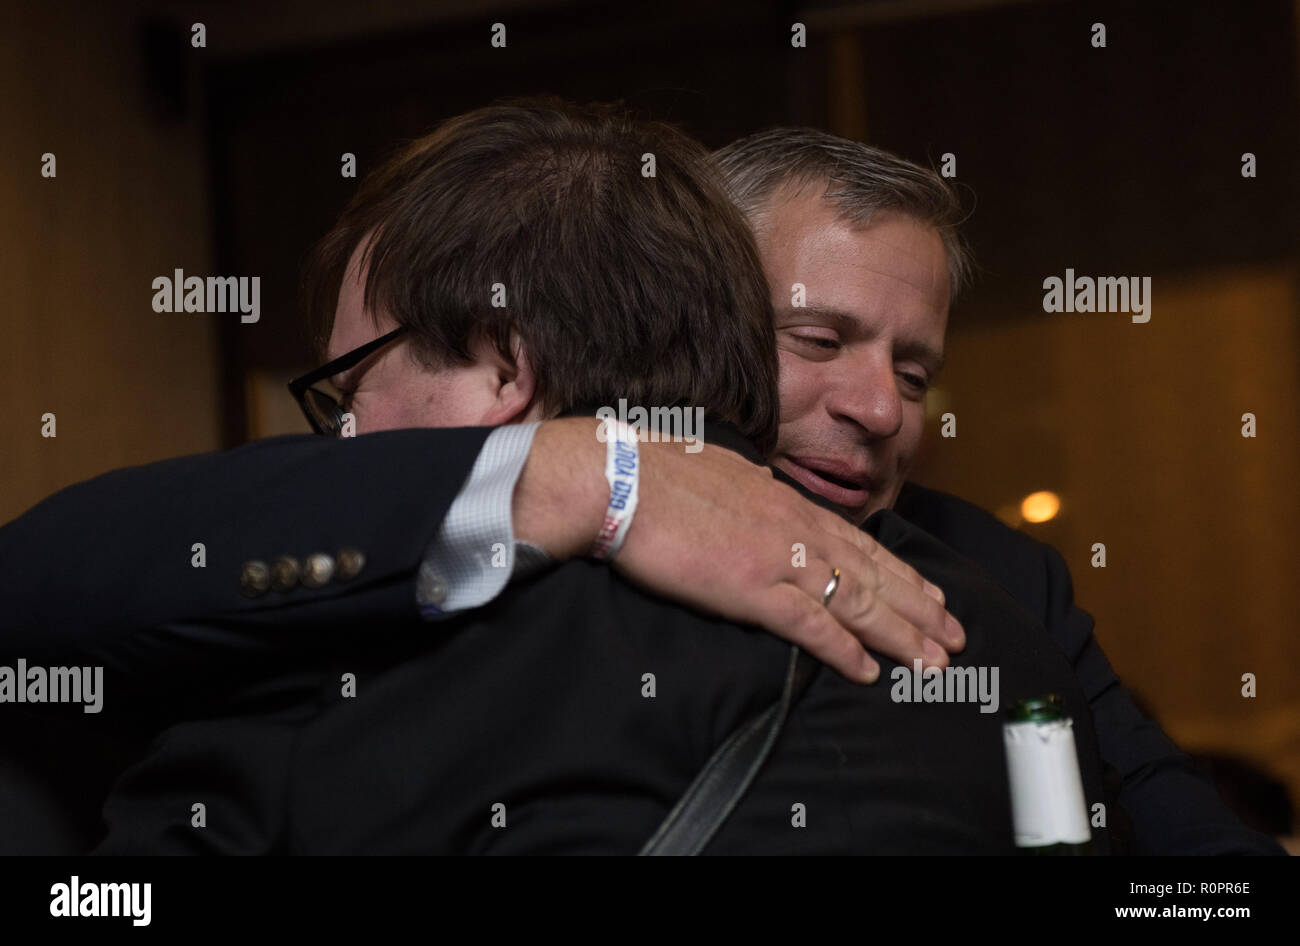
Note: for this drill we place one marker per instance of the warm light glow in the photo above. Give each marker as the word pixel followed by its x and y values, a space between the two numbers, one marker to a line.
pixel 1039 507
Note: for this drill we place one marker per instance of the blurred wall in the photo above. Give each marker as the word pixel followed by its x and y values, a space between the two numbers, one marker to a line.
pixel 1138 429
pixel 79 251
pixel 1125 160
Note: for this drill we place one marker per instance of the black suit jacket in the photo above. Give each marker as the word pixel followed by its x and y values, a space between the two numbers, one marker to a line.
pixel 129 599
pixel 1174 808
pixel 538 710
pixel 101 573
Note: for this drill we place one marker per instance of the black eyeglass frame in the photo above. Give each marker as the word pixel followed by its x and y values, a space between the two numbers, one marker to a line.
pixel 300 386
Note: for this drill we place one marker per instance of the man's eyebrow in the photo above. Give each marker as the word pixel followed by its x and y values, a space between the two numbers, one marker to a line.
pixel 848 324
pixel 838 319
pixel 933 360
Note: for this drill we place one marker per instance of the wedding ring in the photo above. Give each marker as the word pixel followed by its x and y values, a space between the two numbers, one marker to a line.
pixel 831 587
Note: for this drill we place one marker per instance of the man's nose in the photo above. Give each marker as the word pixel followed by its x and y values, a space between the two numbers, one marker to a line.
pixel 865 391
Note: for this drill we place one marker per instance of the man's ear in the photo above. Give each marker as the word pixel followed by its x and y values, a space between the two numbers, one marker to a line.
pixel 515 384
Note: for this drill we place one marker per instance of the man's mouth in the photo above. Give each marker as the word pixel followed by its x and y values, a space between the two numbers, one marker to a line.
pixel 838 482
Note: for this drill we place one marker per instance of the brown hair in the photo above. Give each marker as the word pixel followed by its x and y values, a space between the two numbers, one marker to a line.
pixel 619 284
pixel 860 181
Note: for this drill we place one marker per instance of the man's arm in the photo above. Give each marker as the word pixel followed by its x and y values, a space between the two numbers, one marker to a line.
pixel 716 532
pixel 107 571
pixel 104 572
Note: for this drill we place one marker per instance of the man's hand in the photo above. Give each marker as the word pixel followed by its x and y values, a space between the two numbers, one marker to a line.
pixel 715 531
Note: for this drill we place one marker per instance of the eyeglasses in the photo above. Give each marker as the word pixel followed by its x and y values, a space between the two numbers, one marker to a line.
pixel 324 411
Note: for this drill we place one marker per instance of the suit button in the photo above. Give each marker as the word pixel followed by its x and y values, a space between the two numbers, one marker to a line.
pixel 318 570
pixel 284 573
pixel 435 589
pixel 351 562
pixel 254 578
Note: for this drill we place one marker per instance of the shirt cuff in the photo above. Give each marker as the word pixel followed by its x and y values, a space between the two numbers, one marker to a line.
pixel 473 556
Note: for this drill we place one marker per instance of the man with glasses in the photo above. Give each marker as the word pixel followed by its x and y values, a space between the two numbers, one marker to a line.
pixel 755 579
pixel 325 412
pixel 572 713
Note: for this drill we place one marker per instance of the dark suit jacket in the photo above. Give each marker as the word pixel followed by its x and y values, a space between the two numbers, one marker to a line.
pixel 100 573
pixel 539 703
pixel 1174 809
pixel 131 601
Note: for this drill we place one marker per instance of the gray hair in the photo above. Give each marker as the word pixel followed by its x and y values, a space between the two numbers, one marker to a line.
pixel 861 181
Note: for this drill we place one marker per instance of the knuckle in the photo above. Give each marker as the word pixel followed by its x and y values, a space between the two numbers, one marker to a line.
pixel 871 579
pixel 935 615
pixel 866 599
pixel 811 629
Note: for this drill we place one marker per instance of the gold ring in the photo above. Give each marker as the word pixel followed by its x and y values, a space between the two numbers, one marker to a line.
pixel 831 587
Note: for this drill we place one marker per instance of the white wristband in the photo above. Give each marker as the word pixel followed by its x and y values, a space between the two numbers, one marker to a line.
pixel 622 470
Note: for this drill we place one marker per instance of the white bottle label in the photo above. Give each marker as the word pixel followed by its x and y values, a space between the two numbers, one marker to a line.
pixel 1047 805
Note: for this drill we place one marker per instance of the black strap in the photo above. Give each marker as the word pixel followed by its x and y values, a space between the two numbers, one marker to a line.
pixel 726 777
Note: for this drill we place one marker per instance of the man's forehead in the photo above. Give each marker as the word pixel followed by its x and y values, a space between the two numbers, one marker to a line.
pixel 894 270
pixel 810 232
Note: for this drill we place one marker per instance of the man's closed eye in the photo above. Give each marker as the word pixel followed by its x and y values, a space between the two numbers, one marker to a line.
pixel 820 342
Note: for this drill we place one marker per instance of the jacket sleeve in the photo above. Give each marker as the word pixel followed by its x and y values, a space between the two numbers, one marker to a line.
pixel 108 572
pixel 1174 808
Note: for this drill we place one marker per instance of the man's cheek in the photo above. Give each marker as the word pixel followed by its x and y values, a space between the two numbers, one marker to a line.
pixel 908 442
pixel 374 414
pixel 797 388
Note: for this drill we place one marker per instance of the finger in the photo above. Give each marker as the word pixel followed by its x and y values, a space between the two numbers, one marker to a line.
pixel 899 584
pixel 854 535
pixel 859 605
pixel 909 592
pixel 902 594
pixel 789 613
pixel 922 611
pixel 887 559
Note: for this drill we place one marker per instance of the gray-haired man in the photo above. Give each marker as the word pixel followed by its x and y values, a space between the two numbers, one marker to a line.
pixel 869 238
pixel 862 257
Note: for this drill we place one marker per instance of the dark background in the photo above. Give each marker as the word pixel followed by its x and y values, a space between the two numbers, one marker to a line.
pixel 1121 159
pixel 1117 161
